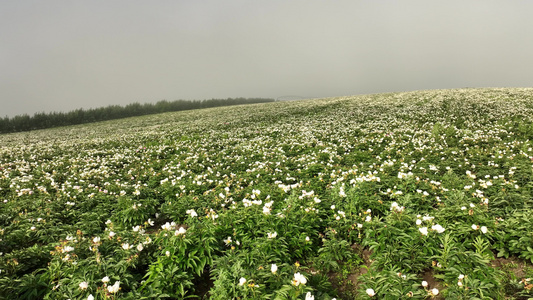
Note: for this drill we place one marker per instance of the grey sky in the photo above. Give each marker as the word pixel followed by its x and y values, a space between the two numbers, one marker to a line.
pixel 62 55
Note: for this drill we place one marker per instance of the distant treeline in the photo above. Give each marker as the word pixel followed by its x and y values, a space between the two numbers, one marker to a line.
pixel 80 116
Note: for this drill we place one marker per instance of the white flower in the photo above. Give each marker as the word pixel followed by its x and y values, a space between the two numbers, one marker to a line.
pixel 83 285
pixel 91 297
pixel 438 228
pixel 418 222
pixel 125 246
pixel 271 235
pixel 460 283
pixel 192 213
pixel 166 226
pixel 423 230
pixel 299 279
pixel 212 214
pixel 424 283
pixel 309 296
pixel 434 292
pixel 395 207
pixel 461 277
pixel 167 253
pixel 228 240
pixel 475 227
pixel 484 229
pixel 307 239
pixel 428 218
pixel 273 268
pixel 266 210
pixel 242 281
pixel 140 247
pixel 180 231
pixel 341 192
pixel 111 234
pixel 96 240
pixel 370 292
pixel 368 219
pixel 105 279
pixel 114 288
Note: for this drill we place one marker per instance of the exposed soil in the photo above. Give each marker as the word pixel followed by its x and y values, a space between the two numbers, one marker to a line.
pixel 365 255
pixel 428 276
pixel 512 264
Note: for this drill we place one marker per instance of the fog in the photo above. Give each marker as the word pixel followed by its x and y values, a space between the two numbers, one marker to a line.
pixel 63 55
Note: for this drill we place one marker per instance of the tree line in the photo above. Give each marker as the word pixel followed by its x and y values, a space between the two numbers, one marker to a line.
pixel 43 120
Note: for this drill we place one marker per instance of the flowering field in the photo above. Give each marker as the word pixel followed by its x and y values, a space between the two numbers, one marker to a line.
pixel 425 195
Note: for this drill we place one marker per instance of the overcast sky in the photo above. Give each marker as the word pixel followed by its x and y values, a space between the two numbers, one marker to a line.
pixel 63 55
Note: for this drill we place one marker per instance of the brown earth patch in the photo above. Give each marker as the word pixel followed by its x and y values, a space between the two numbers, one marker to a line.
pixel 363 253
pixel 514 265
pixel 429 277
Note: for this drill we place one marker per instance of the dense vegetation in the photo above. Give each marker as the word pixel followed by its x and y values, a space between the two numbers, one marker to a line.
pixel 407 195
pixel 81 116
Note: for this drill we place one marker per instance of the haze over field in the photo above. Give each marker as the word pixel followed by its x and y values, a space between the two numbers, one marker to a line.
pixel 63 55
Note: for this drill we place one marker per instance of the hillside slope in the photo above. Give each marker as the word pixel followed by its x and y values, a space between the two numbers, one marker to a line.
pixel 287 199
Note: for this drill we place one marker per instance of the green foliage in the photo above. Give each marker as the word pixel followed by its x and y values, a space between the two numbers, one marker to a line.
pixel 391 284
pixel 515 235
pixel 332 253
pixel 284 200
